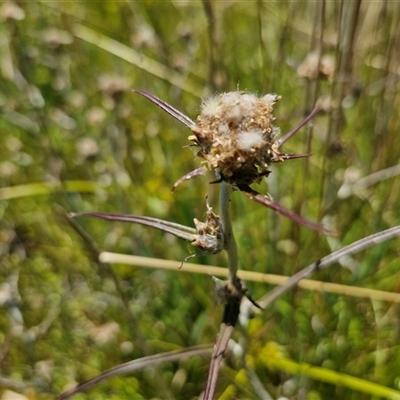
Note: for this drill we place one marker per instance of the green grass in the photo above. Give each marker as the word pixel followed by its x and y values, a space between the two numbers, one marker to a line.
pixel 74 137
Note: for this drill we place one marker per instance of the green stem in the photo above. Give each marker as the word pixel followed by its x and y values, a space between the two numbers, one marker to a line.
pixel 230 242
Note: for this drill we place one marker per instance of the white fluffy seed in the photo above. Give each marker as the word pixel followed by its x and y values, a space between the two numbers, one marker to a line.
pixel 248 102
pixel 231 98
pixel 250 139
pixel 210 106
pixel 233 115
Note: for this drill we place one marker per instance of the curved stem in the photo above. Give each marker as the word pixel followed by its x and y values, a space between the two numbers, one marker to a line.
pixel 230 242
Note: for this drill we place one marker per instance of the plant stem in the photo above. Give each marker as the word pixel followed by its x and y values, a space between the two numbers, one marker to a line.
pixel 230 242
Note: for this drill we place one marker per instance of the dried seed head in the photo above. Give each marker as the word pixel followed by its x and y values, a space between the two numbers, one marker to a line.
pixel 236 135
pixel 210 236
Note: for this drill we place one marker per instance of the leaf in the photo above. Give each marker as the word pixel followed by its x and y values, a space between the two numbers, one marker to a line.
pixel 330 259
pixel 140 60
pixel 168 108
pixel 46 188
pixel 189 175
pixel 286 137
pixel 265 201
pixel 178 230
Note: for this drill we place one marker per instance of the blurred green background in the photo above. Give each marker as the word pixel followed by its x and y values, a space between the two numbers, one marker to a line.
pixel 74 137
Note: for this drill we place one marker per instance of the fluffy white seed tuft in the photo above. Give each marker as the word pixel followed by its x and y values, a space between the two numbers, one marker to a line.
pixel 209 106
pixel 250 139
pixel 234 115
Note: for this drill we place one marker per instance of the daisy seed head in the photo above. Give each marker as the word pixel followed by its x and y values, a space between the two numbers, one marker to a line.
pixel 210 235
pixel 236 136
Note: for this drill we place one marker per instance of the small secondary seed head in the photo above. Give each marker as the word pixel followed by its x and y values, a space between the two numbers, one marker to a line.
pixel 210 235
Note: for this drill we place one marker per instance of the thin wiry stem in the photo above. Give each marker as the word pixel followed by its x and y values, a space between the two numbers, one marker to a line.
pixel 251 276
pixel 232 290
pixel 224 334
pixel 230 242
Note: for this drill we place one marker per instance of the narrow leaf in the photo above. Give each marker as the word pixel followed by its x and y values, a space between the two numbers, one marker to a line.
pixel 138 364
pixel 285 138
pixel 328 260
pixel 168 108
pixel 293 156
pixel 190 175
pixel 46 188
pixel 181 231
pixel 139 59
pixel 265 201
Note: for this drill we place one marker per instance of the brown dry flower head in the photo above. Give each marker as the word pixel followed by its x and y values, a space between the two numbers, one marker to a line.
pixel 237 137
